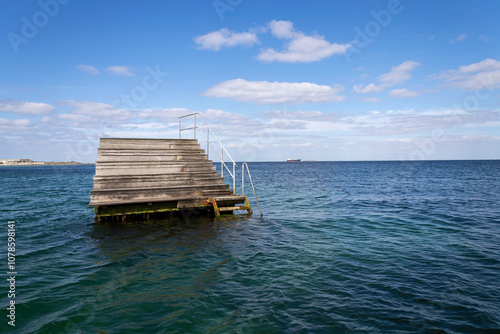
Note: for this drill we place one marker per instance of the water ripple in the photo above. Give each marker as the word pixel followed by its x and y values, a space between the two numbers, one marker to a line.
pixel 413 249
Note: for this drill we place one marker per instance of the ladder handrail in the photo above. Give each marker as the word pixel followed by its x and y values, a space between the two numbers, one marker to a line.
pixel 251 182
pixel 209 144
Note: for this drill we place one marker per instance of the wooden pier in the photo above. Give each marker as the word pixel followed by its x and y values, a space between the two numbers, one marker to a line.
pixel 144 177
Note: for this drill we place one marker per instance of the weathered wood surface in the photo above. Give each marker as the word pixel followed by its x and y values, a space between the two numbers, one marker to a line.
pixel 155 181
pixel 133 169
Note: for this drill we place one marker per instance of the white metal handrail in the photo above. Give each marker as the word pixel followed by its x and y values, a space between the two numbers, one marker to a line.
pixel 209 145
pixel 251 182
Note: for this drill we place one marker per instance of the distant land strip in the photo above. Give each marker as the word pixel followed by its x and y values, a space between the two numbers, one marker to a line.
pixel 43 163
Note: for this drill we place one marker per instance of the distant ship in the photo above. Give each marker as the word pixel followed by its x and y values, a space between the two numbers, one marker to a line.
pixel 292 160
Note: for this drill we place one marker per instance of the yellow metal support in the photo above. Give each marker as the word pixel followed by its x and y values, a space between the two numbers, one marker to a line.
pixel 230 207
pixel 247 204
pixel 216 207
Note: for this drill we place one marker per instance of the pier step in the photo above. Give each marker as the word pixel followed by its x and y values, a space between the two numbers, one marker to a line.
pixel 149 144
pixel 155 181
pixel 147 164
pixel 228 204
pixel 142 168
pixel 164 192
pixel 151 156
pixel 233 208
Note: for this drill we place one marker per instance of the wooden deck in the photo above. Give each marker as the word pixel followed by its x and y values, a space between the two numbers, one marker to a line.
pixel 152 176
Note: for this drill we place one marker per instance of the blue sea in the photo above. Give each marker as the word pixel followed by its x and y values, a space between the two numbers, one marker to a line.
pixel 343 247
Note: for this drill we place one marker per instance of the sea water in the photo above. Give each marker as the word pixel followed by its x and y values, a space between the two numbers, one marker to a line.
pixel 343 247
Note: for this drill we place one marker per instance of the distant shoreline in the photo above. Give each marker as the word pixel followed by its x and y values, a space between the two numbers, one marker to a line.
pixel 46 164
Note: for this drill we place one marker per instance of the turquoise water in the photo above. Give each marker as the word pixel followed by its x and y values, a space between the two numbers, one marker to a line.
pixel 344 247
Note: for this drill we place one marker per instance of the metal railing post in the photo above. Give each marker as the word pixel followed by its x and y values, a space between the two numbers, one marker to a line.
pixel 243 179
pixel 251 182
pixel 223 165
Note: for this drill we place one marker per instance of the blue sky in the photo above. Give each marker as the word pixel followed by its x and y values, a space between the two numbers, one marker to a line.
pixel 317 80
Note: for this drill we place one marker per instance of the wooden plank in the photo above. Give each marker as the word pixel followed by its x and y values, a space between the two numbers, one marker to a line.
pixel 233 208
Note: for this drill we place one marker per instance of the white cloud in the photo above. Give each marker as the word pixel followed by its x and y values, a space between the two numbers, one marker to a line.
pixel 225 38
pixel 91 108
pixel 301 115
pixel 88 69
pixel 370 88
pixel 222 115
pixel 144 126
pixel 120 70
pixel 482 75
pixel 13 125
pixel 164 115
pixel 275 130
pixel 395 122
pixel 371 99
pixel 399 74
pixel 403 92
pixel 84 114
pixel 485 65
pixel 281 29
pixel 26 108
pixel 263 92
pixel 288 125
pixel 81 119
pixel 303 144
pixel 459 39
pixel 300 48
pixel 396 76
